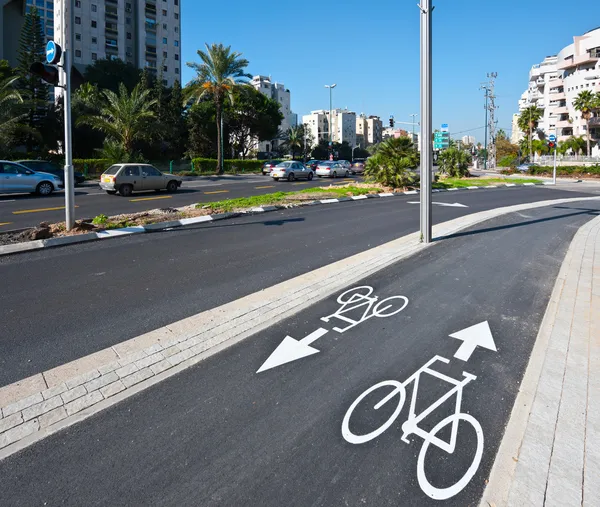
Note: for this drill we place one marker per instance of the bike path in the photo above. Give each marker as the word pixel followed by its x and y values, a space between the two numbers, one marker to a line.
pixel 222 434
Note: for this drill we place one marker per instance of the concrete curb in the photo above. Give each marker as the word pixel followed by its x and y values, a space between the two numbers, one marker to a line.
pixel 47 402
pixel 113 233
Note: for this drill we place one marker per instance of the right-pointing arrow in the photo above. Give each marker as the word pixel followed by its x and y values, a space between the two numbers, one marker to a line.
pixel 479 335
pixel 291 349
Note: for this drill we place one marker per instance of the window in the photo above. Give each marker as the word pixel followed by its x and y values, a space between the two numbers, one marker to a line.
pixel 78 53
pixel 165 54
pixel 164 26
pixel 77 36
pixel 94 8
pixel 176 70
pixel 94 40
pixel 94 56
pixel 94 24
pixel 165 68
pixel 176 43
pixel 165 82
pixel 164 40
pixel 77 4
pixel 129 35
pixel 148 170
pixel 176 29
pixel 13 169
pixel 164 11
pixel 176 2
pixel 131 170
pixel 128 21
pixel 77 20
pixel 176 16
pixel 177 57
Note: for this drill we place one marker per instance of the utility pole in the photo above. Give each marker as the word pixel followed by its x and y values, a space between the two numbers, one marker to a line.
pixel 331 87
pixel 485 135
pixel 413 116
pixel 426 120
pixel 492 122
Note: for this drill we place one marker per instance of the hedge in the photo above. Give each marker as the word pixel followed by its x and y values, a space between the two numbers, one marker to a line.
pixel 209 165
pixel 566 170
pixel 91 165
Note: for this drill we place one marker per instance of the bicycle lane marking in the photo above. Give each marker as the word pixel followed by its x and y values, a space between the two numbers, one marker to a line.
pixel 291 349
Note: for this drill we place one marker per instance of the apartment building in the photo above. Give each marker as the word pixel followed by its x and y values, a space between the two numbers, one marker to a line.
pixel 281 94
pixel 343 125
pixel 468 140
pixel 369 130
pixel 555 83
pixel 318 125
pixel 145 33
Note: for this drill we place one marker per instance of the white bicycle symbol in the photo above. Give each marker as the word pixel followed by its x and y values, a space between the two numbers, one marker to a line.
pixel 410 426
pixel 361 296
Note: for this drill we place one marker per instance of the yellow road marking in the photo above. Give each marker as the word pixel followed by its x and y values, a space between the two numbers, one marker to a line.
pixel 38 210
pixel 217 192
pixel 301 183
pixel 268 186
pixel 150 198
pixel 5 223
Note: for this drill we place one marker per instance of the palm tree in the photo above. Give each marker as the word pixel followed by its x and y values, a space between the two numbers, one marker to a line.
pixel 220 72
pixel 528 121
pixel 393 163
pixel 454 162
pixel 585 103
pixel 9 97
pixel 294 138
pixel 124 118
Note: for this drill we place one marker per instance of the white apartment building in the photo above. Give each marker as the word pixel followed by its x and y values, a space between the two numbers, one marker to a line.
pixel 369 130
pixel 555 83
pixel 145 33
pixel 316 122
pixel 343 125
pixel 278 92
pixel 468 140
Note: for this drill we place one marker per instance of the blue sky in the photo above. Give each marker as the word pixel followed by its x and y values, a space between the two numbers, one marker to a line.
pixel 371 50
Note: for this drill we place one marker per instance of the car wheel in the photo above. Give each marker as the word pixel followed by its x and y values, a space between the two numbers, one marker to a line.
pixel 111 192
pixel 310 176
pixel 319 176
pixel 44 188
pixel 125 190
pixel 347 174
pixel 334 174
pixel 291 177
pixel 172 186
pixel 276 179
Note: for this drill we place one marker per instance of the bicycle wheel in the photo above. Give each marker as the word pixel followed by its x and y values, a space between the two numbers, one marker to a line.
pixel 377 312
pixel 362 292
pixel 353 438
pixel 444 493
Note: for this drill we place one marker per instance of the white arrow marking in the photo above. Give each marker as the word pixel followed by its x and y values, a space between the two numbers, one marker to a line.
pixel 451 205
pixel 479 335
pixel 291 349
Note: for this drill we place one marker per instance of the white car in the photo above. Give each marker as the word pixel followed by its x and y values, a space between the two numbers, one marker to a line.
pixel 332 170
pixel 291 171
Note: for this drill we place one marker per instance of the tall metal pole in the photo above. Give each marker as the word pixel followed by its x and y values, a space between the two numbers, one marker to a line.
pixel 330 116
pixel 413 116
pixel 555 148
pixel 69 178
pixel 426 120
pixel 486 130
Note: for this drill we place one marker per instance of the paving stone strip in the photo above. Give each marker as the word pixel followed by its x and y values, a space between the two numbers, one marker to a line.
pixel 550 452
pixel 38 406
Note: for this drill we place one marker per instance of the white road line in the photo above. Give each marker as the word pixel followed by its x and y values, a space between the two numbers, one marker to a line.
pixel 11 200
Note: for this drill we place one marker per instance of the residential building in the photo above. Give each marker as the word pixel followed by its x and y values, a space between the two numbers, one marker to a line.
pixel 468 140
pixel 362 129
pixel 516 134
pixel 279 93
pixel 145 33
pixel 317 124
pixel 343 125
pixel 555 83
pixel 369 130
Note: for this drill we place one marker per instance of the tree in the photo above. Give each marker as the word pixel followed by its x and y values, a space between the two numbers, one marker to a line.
pixel 86 141
pixel 576 144
pixel 10 98
pixel 252 117
pixel 35 93
pixel 294 140
pixel 309 143
pixel 109 74
pixel 455 163
pixel 219 74
pixel 394 162
pixel 586 102
pixel 175 123
pixel 123 118
pixel 501 135
pixel 528 122
pixel 202 131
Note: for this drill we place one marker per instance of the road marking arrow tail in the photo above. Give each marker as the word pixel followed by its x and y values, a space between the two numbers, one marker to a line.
pixel 447 204
pixel 479 335
pixel 291 349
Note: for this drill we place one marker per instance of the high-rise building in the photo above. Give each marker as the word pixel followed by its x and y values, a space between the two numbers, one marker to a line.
pixel 145 33
pixel 281 94
pixel 343 125
pixel 369 130
pixel 468 140
pixel 555 83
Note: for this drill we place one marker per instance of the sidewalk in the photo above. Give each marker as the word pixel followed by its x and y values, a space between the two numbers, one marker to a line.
pixel 550 453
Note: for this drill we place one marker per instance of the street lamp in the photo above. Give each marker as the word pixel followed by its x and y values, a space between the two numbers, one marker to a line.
pixel 555 117
pixel 413 116
pixel 331 87
pixel 357 146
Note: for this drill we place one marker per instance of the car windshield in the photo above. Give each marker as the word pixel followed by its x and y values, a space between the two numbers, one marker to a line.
pixel 113 169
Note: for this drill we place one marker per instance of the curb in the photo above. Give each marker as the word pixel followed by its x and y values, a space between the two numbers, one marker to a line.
pixel 161 226
pixel 40 405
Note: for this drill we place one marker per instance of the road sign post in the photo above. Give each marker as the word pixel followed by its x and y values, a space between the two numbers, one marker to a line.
pixel 69 177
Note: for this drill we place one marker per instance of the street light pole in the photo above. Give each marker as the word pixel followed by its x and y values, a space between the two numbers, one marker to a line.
pixel 68 149
pixel 331 87
pixel 426 120
pixel 413 116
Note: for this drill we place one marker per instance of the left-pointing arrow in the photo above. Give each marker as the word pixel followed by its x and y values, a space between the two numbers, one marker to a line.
pixel 291 349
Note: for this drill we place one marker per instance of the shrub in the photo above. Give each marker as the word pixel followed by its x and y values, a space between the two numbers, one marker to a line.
pixel 508 161
pixel 209 165
pixel 93 165
pixel 454 162
pixel 566 170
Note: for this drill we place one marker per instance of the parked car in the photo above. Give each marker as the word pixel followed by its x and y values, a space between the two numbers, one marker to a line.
pixel 291 171
pixel 525 167
pixel 269 165
pixel 16 179
pixel 312 164
pixel 358 166
pixel 345 164
pixel 127 178
pixel 331 170
pixel 51 168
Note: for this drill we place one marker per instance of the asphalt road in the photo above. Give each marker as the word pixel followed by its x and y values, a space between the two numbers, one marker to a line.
pixel 25 210
pixel 220 434
pixel 61 304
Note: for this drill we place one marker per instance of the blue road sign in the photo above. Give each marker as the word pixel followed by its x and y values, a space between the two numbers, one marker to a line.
pixel 552 138
pixel 53 52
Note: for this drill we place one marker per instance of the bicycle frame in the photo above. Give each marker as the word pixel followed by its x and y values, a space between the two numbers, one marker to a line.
pixel 360 301
pixel 410 426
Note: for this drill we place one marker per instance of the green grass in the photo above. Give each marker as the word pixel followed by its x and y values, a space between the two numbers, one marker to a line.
pixel 479 182
pixel 278 197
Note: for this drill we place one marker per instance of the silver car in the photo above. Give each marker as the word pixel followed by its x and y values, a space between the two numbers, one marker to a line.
pixel 291 171
pixel 127 178
pixel 18 179
pixel 332 170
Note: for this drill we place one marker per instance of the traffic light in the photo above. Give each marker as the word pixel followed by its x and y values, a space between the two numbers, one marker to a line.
pixel 551 145
pixel 391 122
pixel 48 73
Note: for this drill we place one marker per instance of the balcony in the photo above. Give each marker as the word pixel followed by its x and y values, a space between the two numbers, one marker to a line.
pixel 556 82
pixel 575 61
pixel 540 81
pixel 595 122
pixel 561 110
pixel 561 124
pixel 557 96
